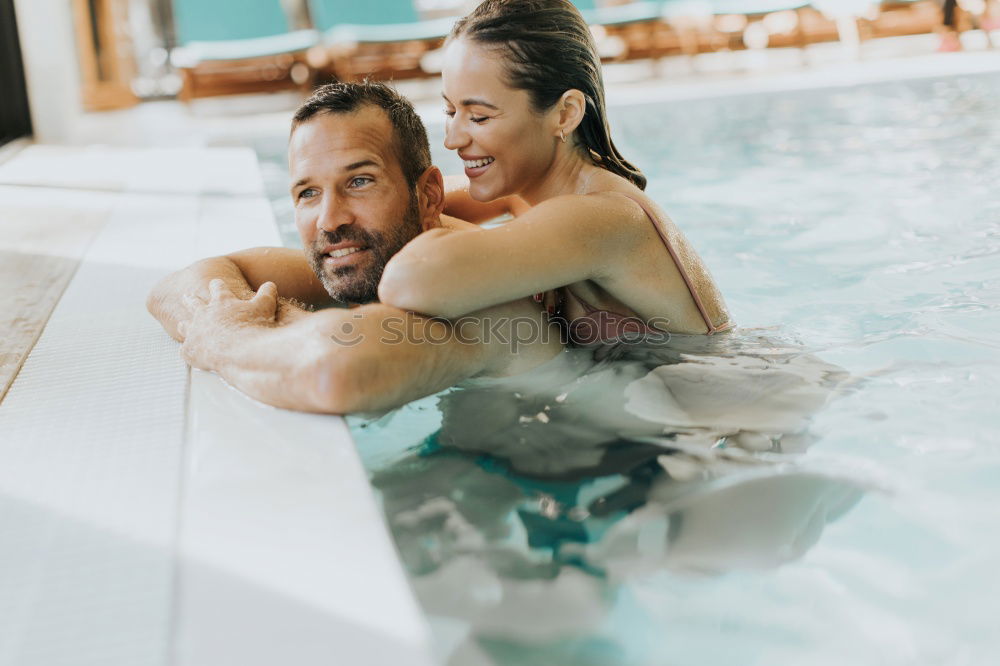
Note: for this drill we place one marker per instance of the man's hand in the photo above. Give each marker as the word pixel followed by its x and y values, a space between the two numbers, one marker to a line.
pixel 243 272
pixel 214 321
pixel 166 300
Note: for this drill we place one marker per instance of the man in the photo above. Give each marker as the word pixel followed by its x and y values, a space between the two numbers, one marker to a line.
pixel 363 187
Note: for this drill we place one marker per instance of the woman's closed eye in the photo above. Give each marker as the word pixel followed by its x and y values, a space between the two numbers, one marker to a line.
pixel 479 120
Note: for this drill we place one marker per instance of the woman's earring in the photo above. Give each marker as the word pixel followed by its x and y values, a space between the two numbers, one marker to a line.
pixel 562 135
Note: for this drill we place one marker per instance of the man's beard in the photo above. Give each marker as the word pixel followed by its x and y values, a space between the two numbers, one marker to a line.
pixel 359 284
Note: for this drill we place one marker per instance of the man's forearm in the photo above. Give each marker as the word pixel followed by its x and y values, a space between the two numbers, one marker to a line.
pixel 165 301
pixel 284 365
pixel 340 361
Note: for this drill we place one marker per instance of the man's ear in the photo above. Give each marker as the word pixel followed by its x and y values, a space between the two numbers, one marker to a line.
pixel 430 197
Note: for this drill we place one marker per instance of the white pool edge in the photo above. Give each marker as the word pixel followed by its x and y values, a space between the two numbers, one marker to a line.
pixel 164 517
pixel 284 556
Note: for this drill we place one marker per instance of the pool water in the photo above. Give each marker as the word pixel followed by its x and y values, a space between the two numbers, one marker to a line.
pixel 820 487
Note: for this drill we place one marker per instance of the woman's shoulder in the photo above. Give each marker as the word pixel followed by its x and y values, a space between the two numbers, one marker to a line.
pixel 636 200
pixel 631 208
pixel 615 192
pixel 657 232
pixel 611 209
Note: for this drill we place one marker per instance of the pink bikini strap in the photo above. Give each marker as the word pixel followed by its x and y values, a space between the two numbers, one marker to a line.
pixel 680 267
pixel 587 307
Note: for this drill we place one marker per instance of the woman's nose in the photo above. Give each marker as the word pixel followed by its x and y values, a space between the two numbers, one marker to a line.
pixel 455 136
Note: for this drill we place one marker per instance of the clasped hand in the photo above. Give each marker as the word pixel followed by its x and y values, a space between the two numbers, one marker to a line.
pixel 214 323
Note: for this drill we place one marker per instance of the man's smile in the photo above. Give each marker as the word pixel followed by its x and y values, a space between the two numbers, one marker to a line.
pixel 344 252
pixel 338 254
pixel 342 256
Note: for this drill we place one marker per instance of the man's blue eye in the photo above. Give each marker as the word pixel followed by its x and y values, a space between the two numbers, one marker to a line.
pixel 307 193
pixel 360 181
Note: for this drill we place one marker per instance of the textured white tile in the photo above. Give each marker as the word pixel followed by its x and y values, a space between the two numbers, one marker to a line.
pixel 90 461
pixel 285 555
pixel 285 558
pixel 227 224
pixel 154 170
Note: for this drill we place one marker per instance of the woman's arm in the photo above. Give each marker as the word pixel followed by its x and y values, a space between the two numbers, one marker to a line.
pixel 455 224
pixel 458 203
pixel 558 242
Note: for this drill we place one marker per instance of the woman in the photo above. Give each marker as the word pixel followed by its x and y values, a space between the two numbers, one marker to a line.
pixel 983 13
pixel 525 99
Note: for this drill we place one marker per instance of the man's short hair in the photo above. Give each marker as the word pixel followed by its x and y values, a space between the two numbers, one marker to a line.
pixel 411 145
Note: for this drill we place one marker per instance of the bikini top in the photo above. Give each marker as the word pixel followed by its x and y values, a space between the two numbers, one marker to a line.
pixel 604 326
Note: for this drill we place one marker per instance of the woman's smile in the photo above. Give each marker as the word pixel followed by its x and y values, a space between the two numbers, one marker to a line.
pixel 475 167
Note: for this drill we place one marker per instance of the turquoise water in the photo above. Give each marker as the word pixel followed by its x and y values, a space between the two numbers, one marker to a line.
pixel 822 487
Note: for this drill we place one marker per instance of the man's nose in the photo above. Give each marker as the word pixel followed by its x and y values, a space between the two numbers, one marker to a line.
pixel 333 214
pixel 455 136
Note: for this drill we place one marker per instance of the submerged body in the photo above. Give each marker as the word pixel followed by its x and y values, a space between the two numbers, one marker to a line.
pixel 523 507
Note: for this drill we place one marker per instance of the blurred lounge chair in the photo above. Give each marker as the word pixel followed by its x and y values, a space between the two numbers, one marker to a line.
pixel 238 46
pixel 615 13
pixel 901 17
pixel 764 23
pixel 860 20
pixel 627 30
pixel 387 40
pixel 653 29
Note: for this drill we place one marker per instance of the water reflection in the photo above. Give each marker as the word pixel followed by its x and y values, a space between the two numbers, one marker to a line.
pixel 539 495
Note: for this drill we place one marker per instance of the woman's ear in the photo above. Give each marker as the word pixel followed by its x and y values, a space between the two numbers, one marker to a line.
pixel 430 197
pixel 572 107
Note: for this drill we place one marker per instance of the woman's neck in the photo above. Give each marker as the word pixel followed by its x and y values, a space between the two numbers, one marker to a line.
pixel 569 173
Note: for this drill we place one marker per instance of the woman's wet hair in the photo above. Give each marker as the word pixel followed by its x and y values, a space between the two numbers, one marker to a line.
pixel 547 49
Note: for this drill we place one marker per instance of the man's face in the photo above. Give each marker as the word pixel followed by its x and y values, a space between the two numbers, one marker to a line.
pixel 353 207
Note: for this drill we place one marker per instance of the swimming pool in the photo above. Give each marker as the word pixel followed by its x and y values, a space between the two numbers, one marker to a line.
pixel 855 230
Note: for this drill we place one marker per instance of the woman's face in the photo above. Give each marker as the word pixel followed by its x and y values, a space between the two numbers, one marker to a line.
pixel 506 147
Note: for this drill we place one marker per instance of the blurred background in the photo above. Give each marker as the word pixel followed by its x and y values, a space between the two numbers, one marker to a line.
pixel 226 73
pixel 64 59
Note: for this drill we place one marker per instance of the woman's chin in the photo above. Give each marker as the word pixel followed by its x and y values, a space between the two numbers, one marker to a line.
pixel 484 194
